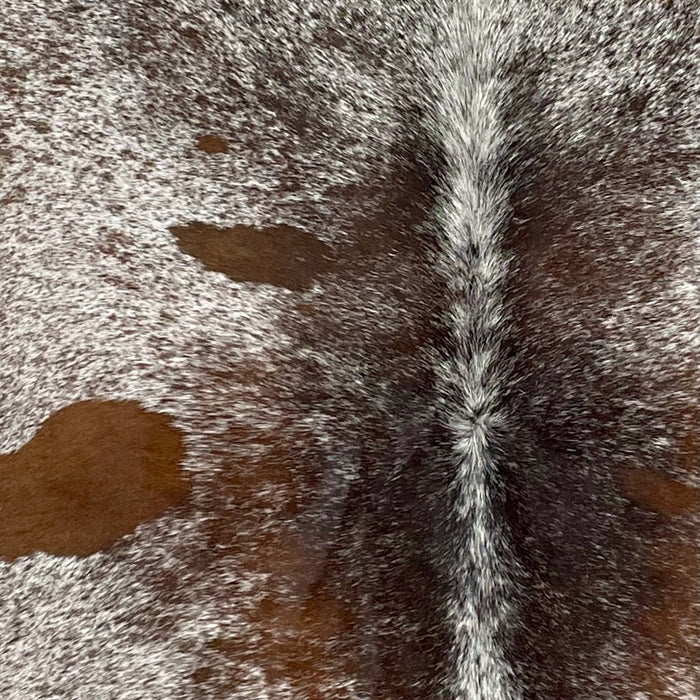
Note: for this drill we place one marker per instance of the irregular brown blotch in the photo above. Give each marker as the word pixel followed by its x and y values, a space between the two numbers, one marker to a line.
pixel 210 143
pixel 280 255
pixel 669 605
pixel 92 473
pixel 653 490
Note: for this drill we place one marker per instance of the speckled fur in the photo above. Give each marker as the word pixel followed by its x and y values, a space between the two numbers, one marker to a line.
pixel 510 191
pixel 471 214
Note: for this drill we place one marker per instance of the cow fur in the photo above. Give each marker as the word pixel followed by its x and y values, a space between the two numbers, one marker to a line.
pixel 438 419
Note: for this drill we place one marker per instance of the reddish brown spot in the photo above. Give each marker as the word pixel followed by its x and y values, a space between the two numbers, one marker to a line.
pixel 92 473
pixel 296 640
pixel 653 490
pixel 281 255
pixel 210 143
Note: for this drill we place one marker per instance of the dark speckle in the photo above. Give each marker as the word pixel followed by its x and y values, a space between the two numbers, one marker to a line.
pixel 638 102
pixel 211 143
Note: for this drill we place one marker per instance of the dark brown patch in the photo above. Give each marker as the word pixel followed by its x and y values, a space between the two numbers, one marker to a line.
pixel 653 490
pixel 668 614
pixel 202 674
pixel 280 255
pixel 210 143
pixel 667 610
pixel 92 473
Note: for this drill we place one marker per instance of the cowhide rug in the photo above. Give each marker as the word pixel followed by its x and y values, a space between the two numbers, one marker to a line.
pixel 349 350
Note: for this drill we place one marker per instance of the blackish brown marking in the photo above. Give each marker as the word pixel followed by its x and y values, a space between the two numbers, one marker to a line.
pixel 653 490
pixel 669 614
pixel 92 473
pixel 281 255
pixel 210 143
pixel 579 246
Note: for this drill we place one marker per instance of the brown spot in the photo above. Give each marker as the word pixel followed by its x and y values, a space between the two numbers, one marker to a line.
pixel 301 616
pixel 202 674
pixel 281 255
pixel 210 143
pixel 92 473
pixel 653 490
pixel 672 570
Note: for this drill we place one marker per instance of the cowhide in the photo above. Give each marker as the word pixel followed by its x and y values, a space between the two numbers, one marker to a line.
pixel 349 350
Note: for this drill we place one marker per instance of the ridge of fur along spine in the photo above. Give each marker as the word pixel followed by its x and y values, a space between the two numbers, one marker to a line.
pixel 471 212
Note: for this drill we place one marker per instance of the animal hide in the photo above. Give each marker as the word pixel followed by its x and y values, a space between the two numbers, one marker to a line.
pixel 349 350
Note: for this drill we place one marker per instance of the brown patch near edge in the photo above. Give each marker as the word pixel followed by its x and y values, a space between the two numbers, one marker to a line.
pixel 653 490
pixel 281 255
pixel 211 143
pixel 92 473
